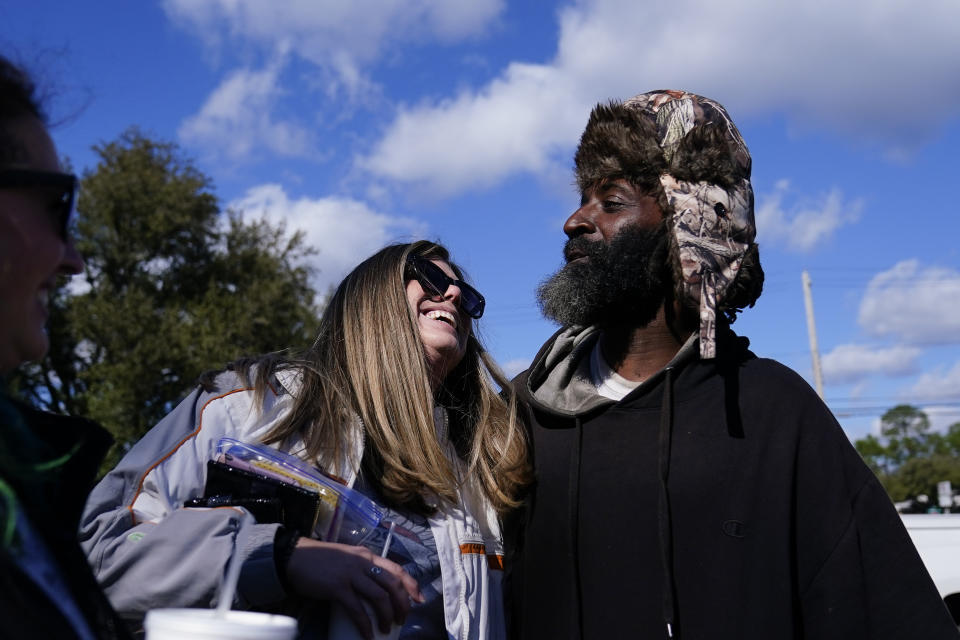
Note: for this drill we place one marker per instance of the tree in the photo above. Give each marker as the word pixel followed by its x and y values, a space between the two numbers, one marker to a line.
pixel 907 430
pixel 951 440
pixel 908 459
pixel 921 475
pixel 173 287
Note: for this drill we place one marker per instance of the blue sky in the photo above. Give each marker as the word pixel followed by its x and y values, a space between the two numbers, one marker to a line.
pixel 367 122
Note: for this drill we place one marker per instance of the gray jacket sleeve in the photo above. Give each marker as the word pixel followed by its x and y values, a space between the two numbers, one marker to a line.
pixel 148 551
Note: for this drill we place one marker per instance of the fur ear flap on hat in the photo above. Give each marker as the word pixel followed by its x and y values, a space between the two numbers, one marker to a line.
pixel 706 154
pixel 618 144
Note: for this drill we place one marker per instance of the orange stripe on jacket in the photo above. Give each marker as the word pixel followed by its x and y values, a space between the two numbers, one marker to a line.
pixel 493 560
pixel 143 478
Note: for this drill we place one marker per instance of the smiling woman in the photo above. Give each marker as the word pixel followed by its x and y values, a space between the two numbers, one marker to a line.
pixel 47 462
pixel 397 399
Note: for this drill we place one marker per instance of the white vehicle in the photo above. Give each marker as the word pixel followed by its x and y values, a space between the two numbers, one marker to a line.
pixel 937 538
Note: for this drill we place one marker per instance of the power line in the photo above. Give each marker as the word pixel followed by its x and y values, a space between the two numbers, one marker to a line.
pixel 953 408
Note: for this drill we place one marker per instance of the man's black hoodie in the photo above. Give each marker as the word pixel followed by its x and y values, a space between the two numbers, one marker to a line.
pixel 720 499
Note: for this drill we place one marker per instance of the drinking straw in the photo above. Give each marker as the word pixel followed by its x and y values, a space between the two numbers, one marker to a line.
pixel 229 584
pixel 386 543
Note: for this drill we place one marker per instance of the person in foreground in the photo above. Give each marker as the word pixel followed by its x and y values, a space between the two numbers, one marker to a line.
pixel 396 398
pixel 47 462
pixel 685 488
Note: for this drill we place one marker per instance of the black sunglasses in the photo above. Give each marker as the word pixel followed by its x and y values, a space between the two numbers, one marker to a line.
pixel 62 186
pixel 433 279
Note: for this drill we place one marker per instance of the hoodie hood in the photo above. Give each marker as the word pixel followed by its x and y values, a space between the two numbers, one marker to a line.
pixel 559 381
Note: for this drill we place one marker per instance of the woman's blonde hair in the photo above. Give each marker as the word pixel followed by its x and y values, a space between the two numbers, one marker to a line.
pixel 368 363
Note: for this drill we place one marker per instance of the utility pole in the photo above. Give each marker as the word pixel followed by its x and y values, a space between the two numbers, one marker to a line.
pixel 812 331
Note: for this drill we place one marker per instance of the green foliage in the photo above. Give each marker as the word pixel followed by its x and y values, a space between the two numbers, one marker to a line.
pixel 951 441
pixel 173 287
pixel 873 452
pixel 908 458
pixel 921 475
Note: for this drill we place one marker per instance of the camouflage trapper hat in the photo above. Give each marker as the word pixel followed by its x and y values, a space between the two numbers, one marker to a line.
pixel 687 146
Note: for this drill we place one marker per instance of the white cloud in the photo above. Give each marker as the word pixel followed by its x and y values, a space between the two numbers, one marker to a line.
pixel 514 125
pixel 236 119
pixel 512 367
pixel 852 362
pixel 343 231
pixel 942 417
pixel 335 35
pixel 834 66
pixel 317 27
pixel 915 304
pixel 941 383
pixel 804 226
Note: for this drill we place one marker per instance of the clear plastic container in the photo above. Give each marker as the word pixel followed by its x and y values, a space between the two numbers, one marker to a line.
pixel 345 516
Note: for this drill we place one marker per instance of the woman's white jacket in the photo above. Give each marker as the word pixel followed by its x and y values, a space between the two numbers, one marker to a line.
pixel 148 551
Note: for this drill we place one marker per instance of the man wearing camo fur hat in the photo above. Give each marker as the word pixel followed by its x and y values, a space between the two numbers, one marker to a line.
pixel 686 488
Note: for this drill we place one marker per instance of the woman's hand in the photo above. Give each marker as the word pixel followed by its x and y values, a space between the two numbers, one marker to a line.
pixel 350 575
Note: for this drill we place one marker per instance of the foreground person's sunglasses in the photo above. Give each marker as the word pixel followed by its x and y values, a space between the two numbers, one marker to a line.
pixel 59 188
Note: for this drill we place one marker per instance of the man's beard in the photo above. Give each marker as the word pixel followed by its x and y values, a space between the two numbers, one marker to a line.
pixel 624 282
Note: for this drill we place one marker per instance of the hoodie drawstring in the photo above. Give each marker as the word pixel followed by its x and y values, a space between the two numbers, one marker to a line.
pixel 664 520
pixel 574 489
